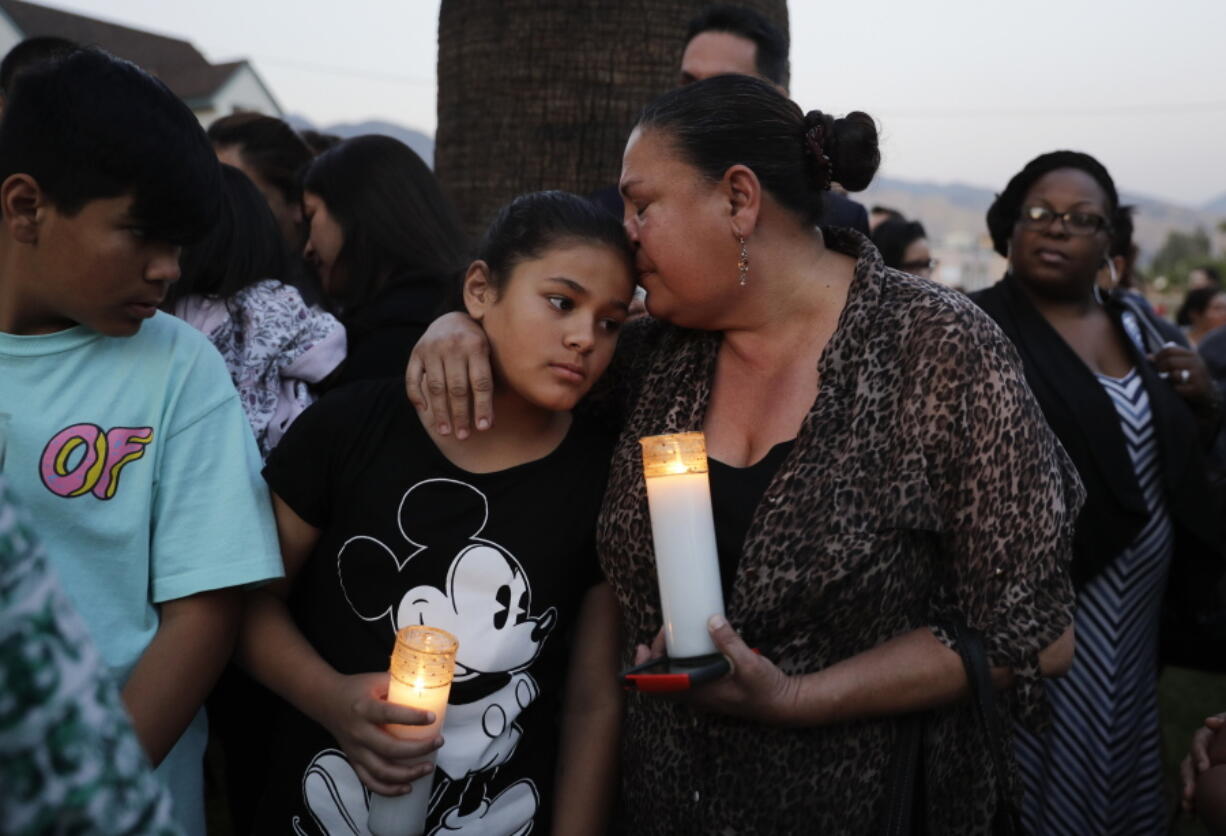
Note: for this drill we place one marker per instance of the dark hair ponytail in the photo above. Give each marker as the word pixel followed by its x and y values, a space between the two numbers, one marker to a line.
pixel 741 120
pixel 531 224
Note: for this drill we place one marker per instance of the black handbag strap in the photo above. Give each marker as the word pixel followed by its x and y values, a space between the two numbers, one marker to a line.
pixel 983 698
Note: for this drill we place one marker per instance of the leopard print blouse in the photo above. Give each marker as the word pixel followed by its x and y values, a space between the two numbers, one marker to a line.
pixel 923 486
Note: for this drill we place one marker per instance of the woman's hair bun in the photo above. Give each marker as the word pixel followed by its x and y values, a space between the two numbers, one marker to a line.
pixel 853 150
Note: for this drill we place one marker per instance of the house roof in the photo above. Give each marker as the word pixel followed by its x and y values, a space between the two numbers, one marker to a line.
pixel 176 62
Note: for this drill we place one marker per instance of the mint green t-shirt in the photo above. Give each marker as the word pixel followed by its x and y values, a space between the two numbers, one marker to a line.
pixel 142 477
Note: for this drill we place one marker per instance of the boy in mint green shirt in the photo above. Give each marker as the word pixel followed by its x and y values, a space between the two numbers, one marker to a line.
pixel 126 439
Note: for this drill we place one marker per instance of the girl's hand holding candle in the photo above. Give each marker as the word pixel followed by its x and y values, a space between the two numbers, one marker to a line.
pixel 358 719
pixel 423 664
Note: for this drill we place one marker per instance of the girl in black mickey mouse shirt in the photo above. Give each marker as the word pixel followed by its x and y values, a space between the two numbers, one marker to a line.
pixel 383 523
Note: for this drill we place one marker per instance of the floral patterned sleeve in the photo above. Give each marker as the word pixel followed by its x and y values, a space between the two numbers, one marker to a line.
pixel 69 759
pixel 1008 496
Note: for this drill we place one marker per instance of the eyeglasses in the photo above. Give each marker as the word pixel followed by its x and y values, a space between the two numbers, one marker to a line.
pixel 921 264
pixel 1075 223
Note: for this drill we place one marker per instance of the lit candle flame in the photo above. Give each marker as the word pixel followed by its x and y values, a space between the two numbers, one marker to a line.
pixel 677 465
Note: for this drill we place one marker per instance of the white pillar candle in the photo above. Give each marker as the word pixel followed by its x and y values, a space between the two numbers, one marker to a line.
pixel 683 532
pixel 423 664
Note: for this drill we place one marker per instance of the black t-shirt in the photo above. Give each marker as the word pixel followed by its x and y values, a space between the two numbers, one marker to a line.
pixel 501 560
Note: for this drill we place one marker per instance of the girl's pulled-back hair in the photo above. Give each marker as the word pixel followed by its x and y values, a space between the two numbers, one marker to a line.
pixel 532 223
pixel 741 120
pixel 397 225
pixel 242 248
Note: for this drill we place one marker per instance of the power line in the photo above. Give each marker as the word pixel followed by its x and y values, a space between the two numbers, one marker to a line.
pixel 350 71
pixel 1114 110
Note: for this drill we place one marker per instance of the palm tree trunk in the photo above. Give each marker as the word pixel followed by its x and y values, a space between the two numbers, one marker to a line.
pixel 536 94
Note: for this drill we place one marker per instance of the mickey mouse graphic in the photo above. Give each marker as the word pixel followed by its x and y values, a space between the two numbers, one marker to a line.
pixel 478 591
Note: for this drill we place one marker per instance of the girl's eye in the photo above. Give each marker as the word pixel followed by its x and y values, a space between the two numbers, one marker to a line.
pixel 562 303
pixel 610 325
pixel 138 232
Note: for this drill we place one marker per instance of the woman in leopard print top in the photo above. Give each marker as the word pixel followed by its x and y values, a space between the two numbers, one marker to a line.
pixel 922 485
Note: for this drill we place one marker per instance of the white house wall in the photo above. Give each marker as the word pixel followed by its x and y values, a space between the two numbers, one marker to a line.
pixel 243 91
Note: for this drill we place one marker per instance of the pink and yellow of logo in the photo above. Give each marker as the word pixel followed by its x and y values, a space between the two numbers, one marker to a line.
pixel 84 459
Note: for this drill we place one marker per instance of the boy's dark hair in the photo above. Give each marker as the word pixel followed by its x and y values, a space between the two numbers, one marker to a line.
pixel 29 52
pixel 269 146
pixel 90 126
pixel 242 248
pixel 771 55
pixel 531 224
pixel 397 225
pixel 893 236
pixel 728 120
pixel 1007 208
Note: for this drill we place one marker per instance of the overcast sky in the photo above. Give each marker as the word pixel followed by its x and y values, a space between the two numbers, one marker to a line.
pixel 965 90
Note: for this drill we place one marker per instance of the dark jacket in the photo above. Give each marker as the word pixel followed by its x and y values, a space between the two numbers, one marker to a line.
pixel 382 332
pixel 1084 419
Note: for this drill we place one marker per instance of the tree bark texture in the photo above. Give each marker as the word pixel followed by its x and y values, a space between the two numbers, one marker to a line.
pixel 542 94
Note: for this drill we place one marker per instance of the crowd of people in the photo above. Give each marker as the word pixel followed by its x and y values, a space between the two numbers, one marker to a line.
pixel 262 405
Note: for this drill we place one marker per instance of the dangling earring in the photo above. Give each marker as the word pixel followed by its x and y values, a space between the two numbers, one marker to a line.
pixel 742 263
pixel 1115 276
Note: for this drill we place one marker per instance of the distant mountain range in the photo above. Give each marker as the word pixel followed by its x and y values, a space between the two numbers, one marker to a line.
pixel 1217 205
pixel 952 213
pixel 420 142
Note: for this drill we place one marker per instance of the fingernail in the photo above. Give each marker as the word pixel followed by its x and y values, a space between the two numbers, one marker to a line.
pixel 429 717
pixel 444 429
pixel 716 621
pixel 483 424
pixel 461 434
pixel 438 742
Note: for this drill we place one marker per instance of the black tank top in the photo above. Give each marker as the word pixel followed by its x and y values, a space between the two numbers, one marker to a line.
pixel 735 494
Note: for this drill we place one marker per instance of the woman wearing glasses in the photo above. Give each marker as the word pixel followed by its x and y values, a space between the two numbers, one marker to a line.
pixel 1135 416
pixel 903 245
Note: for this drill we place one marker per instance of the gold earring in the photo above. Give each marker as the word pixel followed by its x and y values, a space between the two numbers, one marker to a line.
pixel 742 263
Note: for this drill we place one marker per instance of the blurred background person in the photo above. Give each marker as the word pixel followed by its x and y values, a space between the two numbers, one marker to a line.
pixel 1204 276
pixel 386 244
pixel 903 245
pixel 879 214
pixel 1204 309
pixel 274 156
pixel 276 347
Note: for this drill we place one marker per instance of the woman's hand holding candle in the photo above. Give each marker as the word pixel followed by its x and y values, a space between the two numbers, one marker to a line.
pixel 357 716
pixel 755 689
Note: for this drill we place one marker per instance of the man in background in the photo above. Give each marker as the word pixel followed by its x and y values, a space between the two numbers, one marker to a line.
pixel 724 40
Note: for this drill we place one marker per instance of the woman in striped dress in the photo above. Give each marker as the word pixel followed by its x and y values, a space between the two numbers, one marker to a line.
pixel 1136 418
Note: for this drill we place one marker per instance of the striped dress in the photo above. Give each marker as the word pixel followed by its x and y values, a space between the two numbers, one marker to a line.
pixel 1098 769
